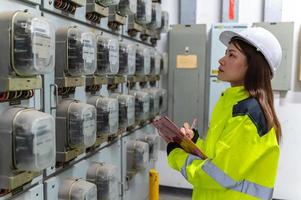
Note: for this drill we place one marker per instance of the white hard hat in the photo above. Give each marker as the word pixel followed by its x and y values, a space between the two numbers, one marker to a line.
pixel 262 39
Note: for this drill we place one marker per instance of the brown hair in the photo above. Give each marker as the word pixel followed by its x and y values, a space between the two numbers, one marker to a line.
pixel 258 82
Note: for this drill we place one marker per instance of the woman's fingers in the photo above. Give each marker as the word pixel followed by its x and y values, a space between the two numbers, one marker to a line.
pixel 186 125
pixel 183 130
pixel 187 131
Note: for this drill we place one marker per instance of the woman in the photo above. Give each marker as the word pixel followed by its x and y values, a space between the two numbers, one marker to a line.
pixel 242 141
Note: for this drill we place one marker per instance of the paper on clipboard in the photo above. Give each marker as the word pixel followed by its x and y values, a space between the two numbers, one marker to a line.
pixel 170 132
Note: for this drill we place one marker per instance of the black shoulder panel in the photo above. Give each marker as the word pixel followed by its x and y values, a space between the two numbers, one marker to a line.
pixel 252 108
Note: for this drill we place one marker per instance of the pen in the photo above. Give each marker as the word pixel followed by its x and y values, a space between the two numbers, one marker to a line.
pixel 193 124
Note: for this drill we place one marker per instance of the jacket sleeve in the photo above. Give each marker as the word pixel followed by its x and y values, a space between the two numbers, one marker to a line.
pixel 239 152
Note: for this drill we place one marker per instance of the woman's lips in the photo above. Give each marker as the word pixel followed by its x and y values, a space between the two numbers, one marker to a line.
pixel 219 69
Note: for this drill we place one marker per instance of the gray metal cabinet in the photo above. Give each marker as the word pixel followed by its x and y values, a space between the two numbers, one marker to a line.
pixel 188 74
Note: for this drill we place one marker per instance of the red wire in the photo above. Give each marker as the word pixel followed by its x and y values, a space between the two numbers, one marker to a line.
pixel 2 96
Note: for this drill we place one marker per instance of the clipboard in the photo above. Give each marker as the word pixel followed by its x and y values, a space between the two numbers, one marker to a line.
pixel 170 132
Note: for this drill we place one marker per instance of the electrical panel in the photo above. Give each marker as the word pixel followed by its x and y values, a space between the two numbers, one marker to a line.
pixel 218 50
pixel 107 114
pixel 127 58
pixel 127 7
pixel 284 32
pixel 77 189
pixel 29 140
pixel 143 61
pixel 107 55
pixel 137 156
pixel 28 42
pixel 156 16
pixel 216 89
pixel 142 104
pixel 188 72
pixel 75 127
pixel 126 109
pixel 144 11
pixel 104 176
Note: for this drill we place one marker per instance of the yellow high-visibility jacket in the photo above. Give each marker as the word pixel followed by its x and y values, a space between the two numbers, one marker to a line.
pixel 242 153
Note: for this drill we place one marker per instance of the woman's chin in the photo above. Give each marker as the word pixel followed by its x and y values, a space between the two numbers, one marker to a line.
pixel 220 76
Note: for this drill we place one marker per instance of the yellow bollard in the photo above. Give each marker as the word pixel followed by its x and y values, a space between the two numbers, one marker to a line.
pixel 153 185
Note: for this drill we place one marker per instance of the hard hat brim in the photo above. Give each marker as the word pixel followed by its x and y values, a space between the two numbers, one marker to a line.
pixel 226 36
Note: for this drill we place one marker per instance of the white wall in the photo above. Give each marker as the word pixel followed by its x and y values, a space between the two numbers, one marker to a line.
pixel 250 11
pixel 288 109
pixel 208 12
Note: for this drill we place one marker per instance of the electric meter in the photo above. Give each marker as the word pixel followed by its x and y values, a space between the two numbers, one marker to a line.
pixel 107 2
pixel 142 104
pixel 104 176
pixel 126 109
pixel 75 52
pixel 144 11
pixel 137 156
pixel 127 7
pixel 107 114
pixel 142 61
pixel 164 63
pixel 27 139
pixel 127 58
pixel 155 62
pixel 154 107
pixel 163 100
pixel 153 142
pixel 28 44
pixel 75 124
pixel 156 16
pixel 107 55
pixel 164 22
pixel 77 189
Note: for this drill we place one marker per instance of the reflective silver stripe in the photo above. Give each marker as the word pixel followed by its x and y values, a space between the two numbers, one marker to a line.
pixel 188 161
pixel 244 186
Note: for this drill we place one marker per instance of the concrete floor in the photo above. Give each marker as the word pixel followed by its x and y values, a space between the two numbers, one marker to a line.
pixel 169 193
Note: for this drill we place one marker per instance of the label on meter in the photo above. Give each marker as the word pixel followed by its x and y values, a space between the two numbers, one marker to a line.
pixel 88 50
pixel 41 41
pixel 88 123
pixel 131 57
pixel 113 53
pixel 146 107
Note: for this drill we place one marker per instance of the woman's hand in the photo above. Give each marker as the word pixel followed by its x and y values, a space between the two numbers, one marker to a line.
pixel 186 130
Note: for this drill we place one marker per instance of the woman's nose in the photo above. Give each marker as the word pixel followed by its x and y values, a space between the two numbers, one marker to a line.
pixel 221 61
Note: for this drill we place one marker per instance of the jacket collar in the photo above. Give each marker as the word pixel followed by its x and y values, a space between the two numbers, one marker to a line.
pixel 235 94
